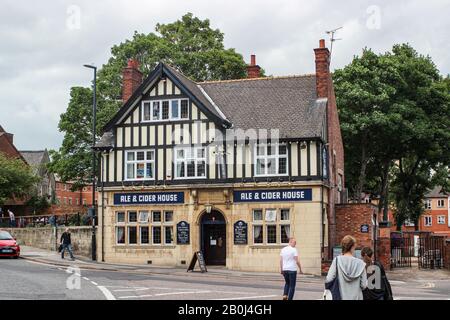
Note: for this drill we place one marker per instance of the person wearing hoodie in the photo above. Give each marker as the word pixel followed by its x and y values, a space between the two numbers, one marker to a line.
pixel 351 271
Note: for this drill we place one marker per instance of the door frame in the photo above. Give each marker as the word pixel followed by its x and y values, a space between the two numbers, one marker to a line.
pixel 202 225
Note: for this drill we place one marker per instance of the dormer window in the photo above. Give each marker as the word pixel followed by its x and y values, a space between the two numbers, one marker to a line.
pixel 165 110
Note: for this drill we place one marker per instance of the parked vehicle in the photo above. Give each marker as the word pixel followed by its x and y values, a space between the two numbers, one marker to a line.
pixel 8 245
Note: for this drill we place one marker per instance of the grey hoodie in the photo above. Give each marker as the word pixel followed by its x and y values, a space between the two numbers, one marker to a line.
pixel 352 277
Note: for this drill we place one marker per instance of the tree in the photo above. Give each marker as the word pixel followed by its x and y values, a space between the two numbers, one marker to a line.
pixel 395 115
pixel 16 178
pixel 189 44
pixel 364 91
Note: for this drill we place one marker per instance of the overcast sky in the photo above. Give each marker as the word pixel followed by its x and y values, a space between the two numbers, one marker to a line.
pixel 44 44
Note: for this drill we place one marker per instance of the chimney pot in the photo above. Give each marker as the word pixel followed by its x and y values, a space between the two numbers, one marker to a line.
pixel 322 43
pixel 253 70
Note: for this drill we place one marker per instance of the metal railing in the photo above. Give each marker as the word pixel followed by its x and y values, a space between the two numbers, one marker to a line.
pixel 36 221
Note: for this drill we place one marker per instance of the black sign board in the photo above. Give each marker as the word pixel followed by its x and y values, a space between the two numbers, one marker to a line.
pixel 365 228
pixel 198 256
pixel 183 232
pixel 240 232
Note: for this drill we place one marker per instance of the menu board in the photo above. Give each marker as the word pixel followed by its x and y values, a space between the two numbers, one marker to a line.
pixel 183 232
pixel 240 232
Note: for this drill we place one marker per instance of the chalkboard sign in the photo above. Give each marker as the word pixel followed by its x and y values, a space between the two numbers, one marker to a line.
pixel 240 232
pixel 198 256
pixel 183 232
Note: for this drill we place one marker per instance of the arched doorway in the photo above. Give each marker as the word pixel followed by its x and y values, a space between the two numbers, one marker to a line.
pixel 213 238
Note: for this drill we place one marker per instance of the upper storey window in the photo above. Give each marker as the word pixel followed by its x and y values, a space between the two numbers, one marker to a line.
pixel 164 110
pixel 271 160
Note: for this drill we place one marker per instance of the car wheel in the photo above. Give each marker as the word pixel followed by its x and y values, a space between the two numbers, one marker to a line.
pixel 16 257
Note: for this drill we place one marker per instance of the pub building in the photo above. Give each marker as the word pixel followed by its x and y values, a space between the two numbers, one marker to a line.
pixel 230 168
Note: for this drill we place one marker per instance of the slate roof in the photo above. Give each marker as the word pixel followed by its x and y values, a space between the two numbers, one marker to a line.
pixel 33 158
pixel 285 103
pixel 436 192
pixel 105 142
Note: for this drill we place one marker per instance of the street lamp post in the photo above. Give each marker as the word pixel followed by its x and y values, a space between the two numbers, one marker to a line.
pixel 94 120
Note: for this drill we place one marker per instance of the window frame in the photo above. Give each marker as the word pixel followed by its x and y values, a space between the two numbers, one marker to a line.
pixel 266 157
pixel 425 221
pixel 438 203
pixel 160 106
pixel 428 204
pixel 193 150
pixel 441 219
pixel 135 162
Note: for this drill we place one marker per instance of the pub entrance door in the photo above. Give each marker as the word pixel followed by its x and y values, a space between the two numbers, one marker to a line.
pixel 213 238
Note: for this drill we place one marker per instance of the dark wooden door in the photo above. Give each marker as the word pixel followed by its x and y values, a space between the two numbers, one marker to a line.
pixel 214 244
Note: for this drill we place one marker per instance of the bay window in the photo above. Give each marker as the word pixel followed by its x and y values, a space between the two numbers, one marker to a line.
pixel 140 165
pixel 271 160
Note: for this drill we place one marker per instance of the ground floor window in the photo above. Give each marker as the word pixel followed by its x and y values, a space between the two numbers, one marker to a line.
pixel 271 226
pixel 144 227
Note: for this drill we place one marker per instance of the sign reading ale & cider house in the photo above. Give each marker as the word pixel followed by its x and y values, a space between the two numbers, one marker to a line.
pixel 272 195
pixel 240 232
pixel 183 232
pixel 149 198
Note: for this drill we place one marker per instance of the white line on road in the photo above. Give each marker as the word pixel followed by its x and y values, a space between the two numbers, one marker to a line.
pixel 94 283
pixel 244 298
pixel 163 294
pixel 107 293
pixel 87 279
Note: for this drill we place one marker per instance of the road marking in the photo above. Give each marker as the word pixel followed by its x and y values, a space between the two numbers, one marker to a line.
pixel 107 293
pixel 163 294
pixel 87 279
pixel 183 292
pixel 133 289
pixel 94 283
pixel 242 298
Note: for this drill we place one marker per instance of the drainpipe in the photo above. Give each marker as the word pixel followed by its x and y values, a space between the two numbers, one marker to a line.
pixel 103 208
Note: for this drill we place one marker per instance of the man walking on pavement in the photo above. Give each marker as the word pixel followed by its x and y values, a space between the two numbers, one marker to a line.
pixel 288 266
pixel 66 243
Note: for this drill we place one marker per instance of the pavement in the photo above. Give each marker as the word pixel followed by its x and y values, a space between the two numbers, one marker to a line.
pixel 42 274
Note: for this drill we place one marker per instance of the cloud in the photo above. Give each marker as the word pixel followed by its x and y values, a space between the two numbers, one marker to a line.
pixel 44 46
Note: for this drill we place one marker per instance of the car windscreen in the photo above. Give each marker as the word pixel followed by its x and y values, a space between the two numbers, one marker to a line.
pixel 5 236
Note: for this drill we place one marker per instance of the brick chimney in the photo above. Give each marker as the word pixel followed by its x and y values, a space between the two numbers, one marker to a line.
pixel 323 77
pixel 132 79
pixel 253 70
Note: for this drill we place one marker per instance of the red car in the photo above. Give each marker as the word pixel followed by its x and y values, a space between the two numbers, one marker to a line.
pixel 8 245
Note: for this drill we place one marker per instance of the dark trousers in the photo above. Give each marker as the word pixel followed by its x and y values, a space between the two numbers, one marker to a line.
pixel 67 247
pixel 290 277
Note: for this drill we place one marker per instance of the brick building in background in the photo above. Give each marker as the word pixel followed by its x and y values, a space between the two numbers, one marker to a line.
pixel 7 148
pixel 68 201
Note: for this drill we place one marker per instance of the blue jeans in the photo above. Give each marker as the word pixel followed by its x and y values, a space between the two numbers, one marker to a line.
pixel 290 277
pixel 69 248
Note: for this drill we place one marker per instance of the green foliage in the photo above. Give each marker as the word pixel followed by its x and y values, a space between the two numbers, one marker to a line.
pixel 38 203
pixel 16 178
pixel 189 44
pixel 395 115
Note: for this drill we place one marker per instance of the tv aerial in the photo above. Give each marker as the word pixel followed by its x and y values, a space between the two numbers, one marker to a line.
pixel 332 38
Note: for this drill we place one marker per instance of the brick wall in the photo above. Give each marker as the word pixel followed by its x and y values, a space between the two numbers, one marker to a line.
pixel 350 217
pixel 47 238
pixel 447 254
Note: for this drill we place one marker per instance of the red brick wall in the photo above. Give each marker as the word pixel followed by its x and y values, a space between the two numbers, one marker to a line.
pixel 350 217
pixel 447 254
pixel 63 193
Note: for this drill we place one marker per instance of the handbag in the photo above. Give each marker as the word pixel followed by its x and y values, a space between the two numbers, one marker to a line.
pixel 332 291
pixel 60 248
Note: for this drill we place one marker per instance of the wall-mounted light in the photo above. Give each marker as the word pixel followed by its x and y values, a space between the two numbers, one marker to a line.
pixel 208 208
